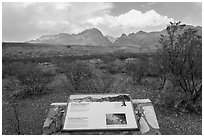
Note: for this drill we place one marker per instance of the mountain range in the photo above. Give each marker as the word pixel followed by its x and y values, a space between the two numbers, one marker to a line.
pixel 88 37
pixel 95 37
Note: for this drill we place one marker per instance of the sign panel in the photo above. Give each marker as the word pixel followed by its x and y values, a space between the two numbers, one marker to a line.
pixel 99 112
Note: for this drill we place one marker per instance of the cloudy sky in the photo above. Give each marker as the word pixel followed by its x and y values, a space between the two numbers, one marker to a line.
pixel 26 21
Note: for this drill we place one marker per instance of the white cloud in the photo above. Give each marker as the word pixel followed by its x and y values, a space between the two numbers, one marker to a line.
pixel 95 21
pixel 131 21
pixel 61 6
pixel 25 21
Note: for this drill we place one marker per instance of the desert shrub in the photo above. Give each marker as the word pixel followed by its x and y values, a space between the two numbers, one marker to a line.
pixel 7 70
pixel 114 67
pixel 136 69
pixel 181 56
pixel 32 81
pixel 151 82
pixel 11 68
pixel 27 81
pixel 107 58
pixel 97 85
pixel 152 69
pixel 102 66
pixel 76 72
pixel 176 99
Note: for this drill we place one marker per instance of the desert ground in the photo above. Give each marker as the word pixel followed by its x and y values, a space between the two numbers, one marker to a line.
pixel 36 75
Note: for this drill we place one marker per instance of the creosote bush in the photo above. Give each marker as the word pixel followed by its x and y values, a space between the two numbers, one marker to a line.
pixel 76 72
pixel 97 84
pixel 115 66
pixel 136 69
pixel 31 80
pixel 181 56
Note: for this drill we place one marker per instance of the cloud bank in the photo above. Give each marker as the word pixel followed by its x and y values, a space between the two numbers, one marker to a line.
pixel 131 21
pixel 25 21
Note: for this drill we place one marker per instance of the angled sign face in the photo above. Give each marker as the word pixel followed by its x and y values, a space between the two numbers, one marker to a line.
pixel 100 112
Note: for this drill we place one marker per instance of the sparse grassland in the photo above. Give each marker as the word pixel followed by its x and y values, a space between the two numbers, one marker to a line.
pixel 35 75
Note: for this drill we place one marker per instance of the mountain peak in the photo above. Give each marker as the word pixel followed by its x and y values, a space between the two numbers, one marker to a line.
pixel 91 31
pixel 88 37
pixel 141 32
pixel 123 35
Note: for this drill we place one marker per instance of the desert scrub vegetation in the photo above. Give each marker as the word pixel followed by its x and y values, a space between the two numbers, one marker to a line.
pixel 181 58
pixel 136 69
pixel 30 79
pixel 82 78
pixel 103 84
pixel 26 81
pixel 76 72
pixel 115 66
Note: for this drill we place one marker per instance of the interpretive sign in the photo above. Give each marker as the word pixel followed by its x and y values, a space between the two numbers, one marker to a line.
pixel 99 112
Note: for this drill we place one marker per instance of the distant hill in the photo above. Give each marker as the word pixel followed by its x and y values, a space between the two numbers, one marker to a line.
pixel 87 37
pixel 145 40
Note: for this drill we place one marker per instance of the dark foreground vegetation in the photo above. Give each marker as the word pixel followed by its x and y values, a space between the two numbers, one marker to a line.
pixel 170 78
